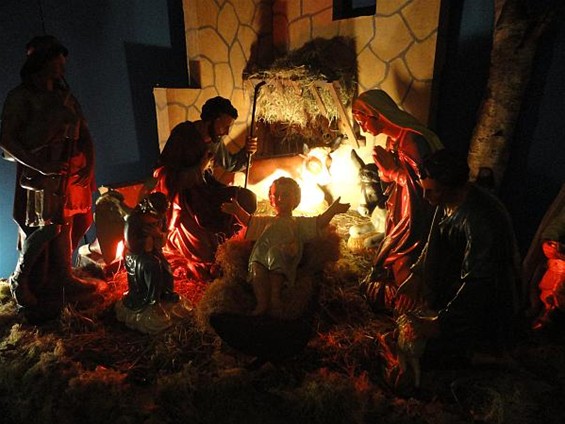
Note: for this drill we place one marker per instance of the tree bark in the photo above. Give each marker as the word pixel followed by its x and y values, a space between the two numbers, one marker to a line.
pixel 518 27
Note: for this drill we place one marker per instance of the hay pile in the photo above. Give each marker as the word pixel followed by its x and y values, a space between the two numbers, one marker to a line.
pixel 289 101
pixel 87 367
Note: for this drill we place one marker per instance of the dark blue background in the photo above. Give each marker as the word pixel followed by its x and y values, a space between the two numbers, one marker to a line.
pixel 118 51
pixel 536 168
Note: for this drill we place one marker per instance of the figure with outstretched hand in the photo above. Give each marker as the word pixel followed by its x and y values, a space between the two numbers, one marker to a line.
pixel 279 241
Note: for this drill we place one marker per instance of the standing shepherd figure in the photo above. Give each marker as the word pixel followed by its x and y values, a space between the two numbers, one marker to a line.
pixel 45 132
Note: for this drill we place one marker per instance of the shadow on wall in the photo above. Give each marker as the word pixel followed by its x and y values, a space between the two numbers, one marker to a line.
pixel 148 67
pixel 262 52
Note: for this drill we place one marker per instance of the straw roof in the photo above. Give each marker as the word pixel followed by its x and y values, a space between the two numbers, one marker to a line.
pixel 297 92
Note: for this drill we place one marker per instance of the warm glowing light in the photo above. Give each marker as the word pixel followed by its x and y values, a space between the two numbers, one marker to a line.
pixel 261 189
pixel 312 199
pixel 310 172
pixel 120 250
pixel 317 164
pixel 344 175
pixel 319 173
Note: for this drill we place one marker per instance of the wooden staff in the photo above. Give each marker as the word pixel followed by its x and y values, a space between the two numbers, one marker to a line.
pixel 252 128
pixel 63 183
pixel 69 142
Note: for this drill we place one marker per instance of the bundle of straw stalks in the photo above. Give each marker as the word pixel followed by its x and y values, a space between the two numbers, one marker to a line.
pixel 296 93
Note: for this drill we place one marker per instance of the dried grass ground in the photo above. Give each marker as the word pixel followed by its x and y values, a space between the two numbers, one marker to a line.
pixel 86 367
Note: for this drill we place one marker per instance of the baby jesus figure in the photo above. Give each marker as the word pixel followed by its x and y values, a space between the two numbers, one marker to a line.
pixel 279 241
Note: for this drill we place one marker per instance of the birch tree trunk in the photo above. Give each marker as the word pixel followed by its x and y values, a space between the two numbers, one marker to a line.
pixel 518 26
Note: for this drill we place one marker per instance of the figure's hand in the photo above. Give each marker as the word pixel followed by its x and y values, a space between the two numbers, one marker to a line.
pixel 84 176
pixel 234 208
pixel 384 160
pixel 54 168
pixel 207 161
pixel 251 145
pixel 417 327
pixel 339 207
pixel 231 207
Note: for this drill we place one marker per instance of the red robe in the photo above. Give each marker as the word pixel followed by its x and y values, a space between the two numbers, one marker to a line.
pixel 196 224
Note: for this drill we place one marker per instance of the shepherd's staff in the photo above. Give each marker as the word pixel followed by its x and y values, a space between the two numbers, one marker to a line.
pixel 68 147
pixel 252 128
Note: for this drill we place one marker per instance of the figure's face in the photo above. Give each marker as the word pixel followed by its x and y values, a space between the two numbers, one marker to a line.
pixel 376 125
pixel 369 123
pixel 55 68
pixel 220 126
pixel 434 192
pixel 283 199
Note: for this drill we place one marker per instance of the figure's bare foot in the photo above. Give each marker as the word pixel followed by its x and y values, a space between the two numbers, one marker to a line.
pixel 21 293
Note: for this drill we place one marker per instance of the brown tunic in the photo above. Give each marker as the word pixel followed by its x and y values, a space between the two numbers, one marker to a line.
pixel 50 125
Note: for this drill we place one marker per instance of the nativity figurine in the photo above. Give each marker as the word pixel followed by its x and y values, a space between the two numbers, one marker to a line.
pixel 46 134
pixel 184 172
pixel 408 215
pixel 466 284
pixel 279 241
pixel 271 330
pixel 368 235
pixel 150 304
pixel 552 284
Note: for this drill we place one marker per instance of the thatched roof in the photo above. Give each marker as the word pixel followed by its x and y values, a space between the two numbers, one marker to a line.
pixel 293 80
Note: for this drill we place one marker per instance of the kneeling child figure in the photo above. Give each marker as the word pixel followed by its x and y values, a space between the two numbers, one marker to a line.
pixel 150 279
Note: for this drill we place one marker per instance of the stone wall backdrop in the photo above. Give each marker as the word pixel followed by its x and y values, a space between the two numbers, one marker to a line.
pixel 222 38
pixel 396 50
